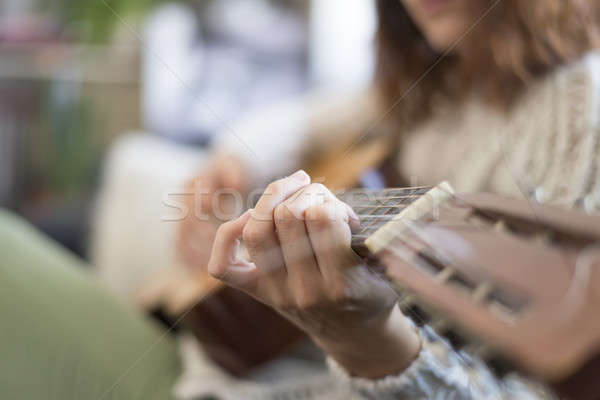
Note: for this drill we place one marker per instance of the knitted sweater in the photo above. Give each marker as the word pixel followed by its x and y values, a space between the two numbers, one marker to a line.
pixel 545 148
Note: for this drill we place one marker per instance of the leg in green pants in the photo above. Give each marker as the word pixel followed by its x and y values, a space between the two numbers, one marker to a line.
pixel 62 336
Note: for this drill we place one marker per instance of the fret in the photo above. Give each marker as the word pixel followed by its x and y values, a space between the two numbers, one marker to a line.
pixel 371 212
pixel 372 228
pixel 391 208
pixel 380 195
pixel 384 193
pixel 368 207
pixel 378 210
pixel 383 198
pixel 395 206
pixel 423 189
pixel 369 216
pixel 377 207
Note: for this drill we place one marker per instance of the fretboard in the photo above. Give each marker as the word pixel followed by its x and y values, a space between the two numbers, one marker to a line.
pixel 377 207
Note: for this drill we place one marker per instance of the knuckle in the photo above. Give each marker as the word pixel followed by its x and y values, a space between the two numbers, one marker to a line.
pixel 320 216
pixel 253 236
pixel 284 217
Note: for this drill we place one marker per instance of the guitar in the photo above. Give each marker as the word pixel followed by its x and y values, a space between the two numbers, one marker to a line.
pixel 511 282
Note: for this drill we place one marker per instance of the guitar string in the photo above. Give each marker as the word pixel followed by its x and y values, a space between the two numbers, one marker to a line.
pixel 367 216
pixel 385 190
pixel 386 209
pixel 391 203
pixel 490 215
pixel 400 205
pixel 571 300
pixel 379 220
pixel 461 355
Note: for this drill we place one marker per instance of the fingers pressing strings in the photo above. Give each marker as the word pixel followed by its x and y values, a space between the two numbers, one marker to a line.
pixel 295 242
pixel 292 232
pixel 261 240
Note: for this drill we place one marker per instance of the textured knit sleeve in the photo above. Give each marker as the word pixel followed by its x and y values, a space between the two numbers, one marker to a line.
pixel 441 373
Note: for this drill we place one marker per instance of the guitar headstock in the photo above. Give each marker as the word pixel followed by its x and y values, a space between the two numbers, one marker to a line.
pixel 517 283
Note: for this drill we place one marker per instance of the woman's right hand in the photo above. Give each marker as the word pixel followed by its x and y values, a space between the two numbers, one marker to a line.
pixel 197 230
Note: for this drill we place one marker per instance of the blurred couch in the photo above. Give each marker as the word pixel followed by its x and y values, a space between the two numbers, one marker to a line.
pixel 131 238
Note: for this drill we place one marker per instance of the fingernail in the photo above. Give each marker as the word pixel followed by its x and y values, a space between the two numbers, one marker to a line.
pixel 300 176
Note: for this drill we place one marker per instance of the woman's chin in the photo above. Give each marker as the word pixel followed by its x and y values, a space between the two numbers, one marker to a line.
pixel 442 39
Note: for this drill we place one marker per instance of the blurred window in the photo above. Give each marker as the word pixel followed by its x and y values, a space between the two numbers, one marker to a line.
pixel 341 42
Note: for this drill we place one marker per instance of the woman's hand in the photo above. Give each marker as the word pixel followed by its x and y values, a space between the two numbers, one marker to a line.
pixel 197 230
pixel 298 240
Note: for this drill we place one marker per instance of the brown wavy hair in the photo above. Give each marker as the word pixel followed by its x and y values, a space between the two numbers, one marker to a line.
pixel 517 41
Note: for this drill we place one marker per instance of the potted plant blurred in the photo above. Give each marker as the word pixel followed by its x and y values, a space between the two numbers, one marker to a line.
pixel 67 87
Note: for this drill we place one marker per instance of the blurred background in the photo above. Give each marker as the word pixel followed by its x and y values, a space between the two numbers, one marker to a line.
pixel 79 76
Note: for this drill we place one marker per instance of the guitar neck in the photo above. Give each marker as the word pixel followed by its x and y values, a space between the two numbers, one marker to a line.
pixel 376 208
pixel 513 282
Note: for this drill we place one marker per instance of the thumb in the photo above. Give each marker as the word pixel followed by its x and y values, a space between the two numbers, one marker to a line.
pixel 224 263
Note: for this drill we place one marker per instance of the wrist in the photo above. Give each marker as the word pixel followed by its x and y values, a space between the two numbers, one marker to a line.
pixel 378 351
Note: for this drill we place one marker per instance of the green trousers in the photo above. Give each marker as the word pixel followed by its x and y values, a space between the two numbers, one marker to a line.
pixel 63 336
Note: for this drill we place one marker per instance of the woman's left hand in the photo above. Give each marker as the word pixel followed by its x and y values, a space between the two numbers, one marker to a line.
pixel 298 240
